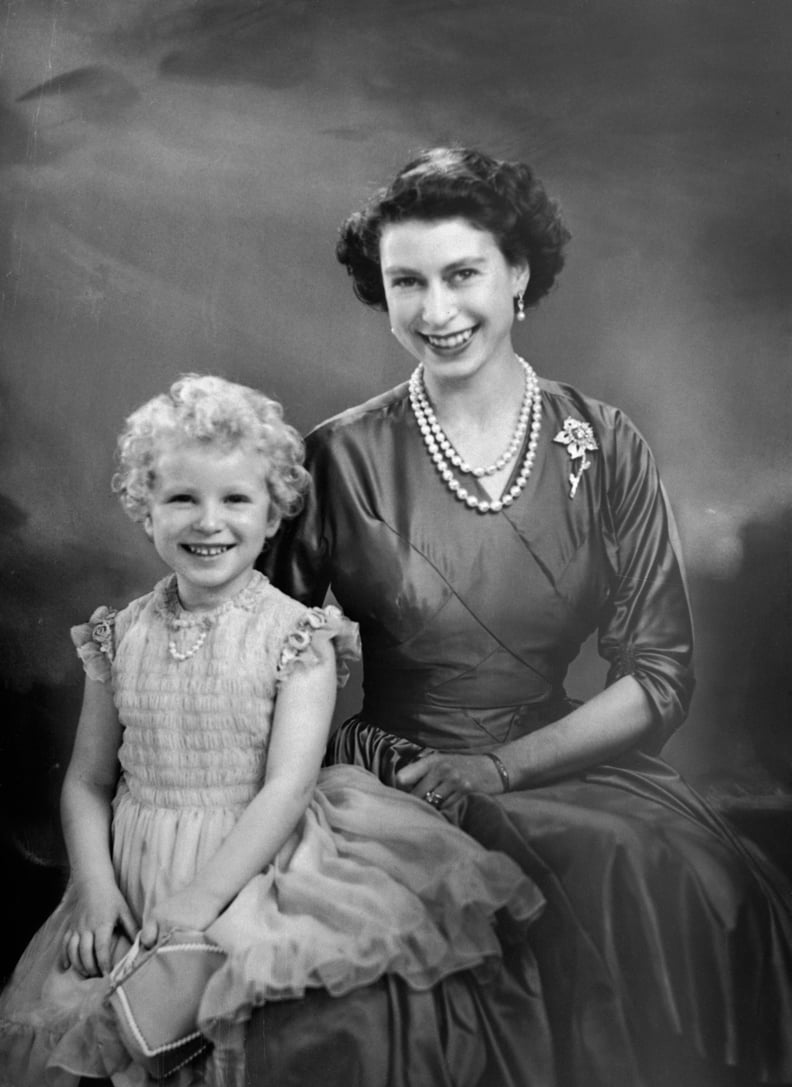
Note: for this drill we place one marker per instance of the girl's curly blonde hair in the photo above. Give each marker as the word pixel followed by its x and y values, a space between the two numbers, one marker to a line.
pixel 211 411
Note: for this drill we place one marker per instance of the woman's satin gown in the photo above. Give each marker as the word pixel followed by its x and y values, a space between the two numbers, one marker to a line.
pixel 665 951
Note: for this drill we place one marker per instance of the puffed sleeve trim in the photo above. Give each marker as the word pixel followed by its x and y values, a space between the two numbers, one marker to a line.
pixel 95 643
pixel 326 623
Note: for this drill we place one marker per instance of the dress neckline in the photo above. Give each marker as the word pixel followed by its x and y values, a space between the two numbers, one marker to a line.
pixel 170 609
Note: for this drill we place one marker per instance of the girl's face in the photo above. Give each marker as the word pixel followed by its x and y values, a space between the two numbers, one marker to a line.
pixel 209 516
pixel 450 294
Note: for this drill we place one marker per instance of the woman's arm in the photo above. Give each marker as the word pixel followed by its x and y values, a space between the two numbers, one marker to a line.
pixel 88 789
pixel 301 724
pixel 604 727
pixel 610 723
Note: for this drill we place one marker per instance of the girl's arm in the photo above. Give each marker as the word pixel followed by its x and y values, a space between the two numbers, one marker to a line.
pixel 300 727
pixel 88 790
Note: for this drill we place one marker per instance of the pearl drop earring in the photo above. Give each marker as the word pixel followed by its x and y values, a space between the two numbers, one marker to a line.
pixel 520 306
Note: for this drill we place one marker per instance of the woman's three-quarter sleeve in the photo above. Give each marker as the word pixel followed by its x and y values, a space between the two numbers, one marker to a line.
pixel 645 630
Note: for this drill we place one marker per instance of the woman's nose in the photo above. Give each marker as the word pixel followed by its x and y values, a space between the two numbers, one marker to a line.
pixel 439 304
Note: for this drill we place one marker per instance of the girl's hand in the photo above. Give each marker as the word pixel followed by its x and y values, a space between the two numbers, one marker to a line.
pixel 192 908
pixel 101 919
pixel 440 778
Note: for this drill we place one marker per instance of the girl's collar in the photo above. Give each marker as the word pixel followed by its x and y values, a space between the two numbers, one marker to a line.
pixel 188 630
pixel 169 607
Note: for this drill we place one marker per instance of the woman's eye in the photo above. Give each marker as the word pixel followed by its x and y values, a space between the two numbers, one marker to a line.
pixel 404 282
pixel 462 275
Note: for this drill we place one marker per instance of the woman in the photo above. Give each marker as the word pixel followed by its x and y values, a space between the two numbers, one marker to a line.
pixel 480 523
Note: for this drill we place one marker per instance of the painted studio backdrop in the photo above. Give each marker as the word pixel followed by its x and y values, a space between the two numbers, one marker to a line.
pixel 172 176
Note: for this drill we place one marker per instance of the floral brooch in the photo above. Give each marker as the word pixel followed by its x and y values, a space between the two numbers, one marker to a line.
pixel 579 439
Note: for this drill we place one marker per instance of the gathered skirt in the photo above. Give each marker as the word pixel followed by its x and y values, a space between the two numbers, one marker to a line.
pixel 372 884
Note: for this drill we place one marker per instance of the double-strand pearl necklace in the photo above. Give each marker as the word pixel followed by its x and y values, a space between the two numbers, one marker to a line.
pixel 448 451
pixel 443 453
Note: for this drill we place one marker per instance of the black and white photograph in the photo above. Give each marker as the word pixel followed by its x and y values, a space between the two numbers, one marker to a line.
pixel 396 501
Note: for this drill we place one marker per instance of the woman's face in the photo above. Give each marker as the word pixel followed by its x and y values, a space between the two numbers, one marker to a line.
pixel 450 294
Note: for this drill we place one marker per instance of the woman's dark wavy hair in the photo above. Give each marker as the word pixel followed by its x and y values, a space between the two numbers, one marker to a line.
pixel 504 198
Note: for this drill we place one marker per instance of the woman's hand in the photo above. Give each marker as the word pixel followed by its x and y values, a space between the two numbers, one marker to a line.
pixel 192 908
pixel 440 778
pixel 101 919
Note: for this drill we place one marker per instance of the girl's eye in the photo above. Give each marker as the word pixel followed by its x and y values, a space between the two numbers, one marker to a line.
pixel 180 498
pixel 239 498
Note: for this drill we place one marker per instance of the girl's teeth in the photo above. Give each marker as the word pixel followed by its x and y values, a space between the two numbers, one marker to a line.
pixel 451 341
pixel 206 552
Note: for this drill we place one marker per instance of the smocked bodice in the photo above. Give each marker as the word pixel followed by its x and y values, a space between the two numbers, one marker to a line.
pixel 195 731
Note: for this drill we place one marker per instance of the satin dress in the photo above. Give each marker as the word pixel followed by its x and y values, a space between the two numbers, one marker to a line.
pixel 665 950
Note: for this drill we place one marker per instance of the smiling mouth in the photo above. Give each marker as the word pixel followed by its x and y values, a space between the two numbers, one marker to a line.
pixel 450 341
pixel 207 551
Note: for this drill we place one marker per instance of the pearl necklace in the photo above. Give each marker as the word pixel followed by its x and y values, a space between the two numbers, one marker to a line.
pixel 441 438
pixel 440 448
pixel 204 621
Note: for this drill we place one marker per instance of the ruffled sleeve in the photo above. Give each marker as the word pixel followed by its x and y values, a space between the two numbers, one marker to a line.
pixel 326 623
pixel 95 643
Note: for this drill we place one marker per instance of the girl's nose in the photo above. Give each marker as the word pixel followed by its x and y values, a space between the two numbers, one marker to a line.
pixel 208 517
pixel 439 305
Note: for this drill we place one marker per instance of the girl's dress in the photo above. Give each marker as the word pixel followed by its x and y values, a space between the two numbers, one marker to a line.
pixel 371 882
pixel 665 941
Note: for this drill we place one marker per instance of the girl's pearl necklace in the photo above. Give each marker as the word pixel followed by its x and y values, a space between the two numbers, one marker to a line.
pixel 442 452
pixel 206 623
pixel 203 622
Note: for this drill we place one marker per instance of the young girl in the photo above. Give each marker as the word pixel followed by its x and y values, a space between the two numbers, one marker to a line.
pixel 194 798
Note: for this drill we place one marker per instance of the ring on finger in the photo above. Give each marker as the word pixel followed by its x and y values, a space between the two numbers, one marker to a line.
pixel 433 798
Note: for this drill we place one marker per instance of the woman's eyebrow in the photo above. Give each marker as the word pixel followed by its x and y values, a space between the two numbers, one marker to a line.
pixel 463 262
